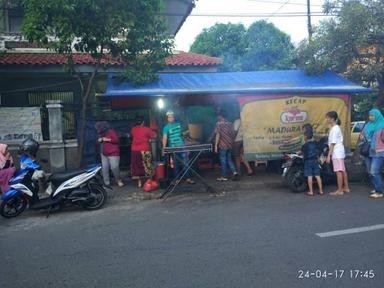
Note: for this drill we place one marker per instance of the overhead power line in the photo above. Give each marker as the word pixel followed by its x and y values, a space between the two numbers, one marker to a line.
pixel 278 9
pixel 290 3
pixel 249 15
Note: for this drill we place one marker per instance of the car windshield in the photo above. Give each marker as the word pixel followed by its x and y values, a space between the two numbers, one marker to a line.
pixel 358 127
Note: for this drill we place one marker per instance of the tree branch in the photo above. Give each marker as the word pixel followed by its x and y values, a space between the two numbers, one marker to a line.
pixel 81 82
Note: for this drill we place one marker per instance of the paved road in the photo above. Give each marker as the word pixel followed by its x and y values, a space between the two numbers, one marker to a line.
pixel 254 237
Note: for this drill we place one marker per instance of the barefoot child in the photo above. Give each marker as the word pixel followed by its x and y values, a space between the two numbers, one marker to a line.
pixel 311 163
pixel 337 153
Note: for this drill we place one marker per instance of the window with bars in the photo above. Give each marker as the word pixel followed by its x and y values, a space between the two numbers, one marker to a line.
pixel 104 103
pixel 69 117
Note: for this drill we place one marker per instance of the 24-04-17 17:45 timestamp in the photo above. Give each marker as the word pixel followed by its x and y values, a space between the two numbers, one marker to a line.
pixel 336 274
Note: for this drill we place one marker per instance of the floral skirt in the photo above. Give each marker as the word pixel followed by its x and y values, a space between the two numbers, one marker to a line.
pixel 141 164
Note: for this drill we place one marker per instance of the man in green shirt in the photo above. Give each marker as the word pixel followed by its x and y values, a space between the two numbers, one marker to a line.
pixel 172 137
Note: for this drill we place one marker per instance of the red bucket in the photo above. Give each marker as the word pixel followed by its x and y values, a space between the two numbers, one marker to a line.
pixel 160 171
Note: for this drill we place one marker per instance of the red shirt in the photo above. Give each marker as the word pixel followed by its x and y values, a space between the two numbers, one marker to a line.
pixel 111 148
pixel 141 136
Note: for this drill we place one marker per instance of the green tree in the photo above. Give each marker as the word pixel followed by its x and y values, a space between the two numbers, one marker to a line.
pixel 361 104
pixel 222 40
pixel 351 43
pixel 267 48
pixel 262 46
pixel 130 30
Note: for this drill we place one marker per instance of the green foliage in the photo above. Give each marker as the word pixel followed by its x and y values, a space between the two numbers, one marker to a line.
pixel 351 43
pixel 361 104
pixel 262 46
pixel 267 48
pixel 128 29
pixel 225 41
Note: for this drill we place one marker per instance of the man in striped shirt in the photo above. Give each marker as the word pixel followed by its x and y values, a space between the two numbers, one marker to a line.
pixel 223 145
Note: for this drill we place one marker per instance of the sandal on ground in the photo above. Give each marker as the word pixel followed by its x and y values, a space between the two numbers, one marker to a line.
pixel 222 179
pixel 336 193
pixel 376 195
pixel 321 193
pixel 190 181
pixel 310 194
pixel 347 191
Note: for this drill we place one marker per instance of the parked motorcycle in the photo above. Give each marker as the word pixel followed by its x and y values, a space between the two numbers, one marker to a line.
pixel 83 188
pixel 293 169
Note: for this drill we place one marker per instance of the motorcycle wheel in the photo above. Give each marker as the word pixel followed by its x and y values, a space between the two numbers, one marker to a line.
pixel 13 207
pixel 296 180
pixel 99 197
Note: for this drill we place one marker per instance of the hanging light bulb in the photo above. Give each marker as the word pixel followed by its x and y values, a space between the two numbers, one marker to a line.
pixel 160 104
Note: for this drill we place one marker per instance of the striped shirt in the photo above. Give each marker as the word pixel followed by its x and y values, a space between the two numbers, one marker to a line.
pixel 225 129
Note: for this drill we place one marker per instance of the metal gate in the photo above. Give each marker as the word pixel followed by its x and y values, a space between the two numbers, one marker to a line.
pixel 69 111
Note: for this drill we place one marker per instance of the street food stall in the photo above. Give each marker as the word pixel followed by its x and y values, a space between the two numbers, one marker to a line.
pixel 274 105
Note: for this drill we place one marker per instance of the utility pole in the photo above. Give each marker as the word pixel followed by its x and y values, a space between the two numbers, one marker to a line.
pixel 309 19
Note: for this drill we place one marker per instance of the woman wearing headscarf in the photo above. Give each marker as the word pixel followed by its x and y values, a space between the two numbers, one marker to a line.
pixel 6 167
pixel 365 139
pixel 141 156
pixel 109 152
pixel 374 134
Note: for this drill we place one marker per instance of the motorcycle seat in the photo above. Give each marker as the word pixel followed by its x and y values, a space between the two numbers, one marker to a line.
pixel 58 178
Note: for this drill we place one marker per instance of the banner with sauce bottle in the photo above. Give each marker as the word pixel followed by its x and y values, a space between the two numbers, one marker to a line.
pixel 273 124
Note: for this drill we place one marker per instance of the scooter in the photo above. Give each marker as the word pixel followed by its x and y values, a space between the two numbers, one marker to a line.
pixel 293 172
pixel 293 169
pixel 82 188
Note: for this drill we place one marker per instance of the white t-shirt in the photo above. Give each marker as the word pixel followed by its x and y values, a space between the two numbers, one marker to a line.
pixel 336 137
pixel 239 130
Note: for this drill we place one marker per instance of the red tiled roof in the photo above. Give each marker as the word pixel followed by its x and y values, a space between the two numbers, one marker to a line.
pixel 180 59
pixel 187 59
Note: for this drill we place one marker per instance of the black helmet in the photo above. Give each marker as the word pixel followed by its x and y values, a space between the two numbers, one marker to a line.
pixel 29 146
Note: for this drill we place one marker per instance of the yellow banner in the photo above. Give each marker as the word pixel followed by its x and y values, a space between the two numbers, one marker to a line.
pixel 274 125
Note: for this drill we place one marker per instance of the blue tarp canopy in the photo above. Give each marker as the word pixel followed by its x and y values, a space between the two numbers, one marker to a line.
pixel 255 82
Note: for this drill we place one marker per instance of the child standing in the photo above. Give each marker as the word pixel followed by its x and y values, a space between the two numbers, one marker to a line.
pixel 337 153
pixel 311 164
